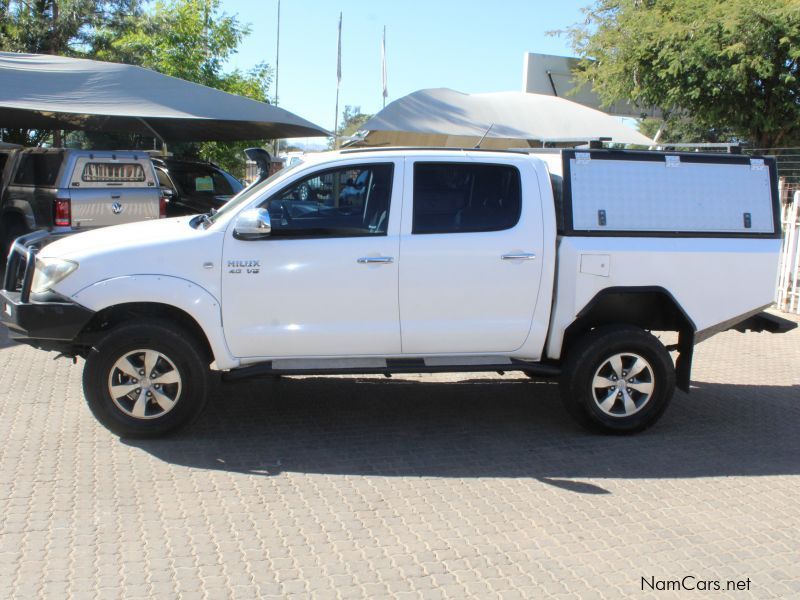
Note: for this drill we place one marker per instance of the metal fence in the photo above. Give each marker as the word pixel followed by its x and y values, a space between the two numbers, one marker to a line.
pixel 787 291
pixel 787 295
pixel 788 168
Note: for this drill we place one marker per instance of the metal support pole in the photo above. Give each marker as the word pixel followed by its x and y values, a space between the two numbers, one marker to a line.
pixel 156 135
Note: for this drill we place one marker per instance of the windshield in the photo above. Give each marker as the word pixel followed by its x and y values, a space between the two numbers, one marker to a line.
pixel 249 193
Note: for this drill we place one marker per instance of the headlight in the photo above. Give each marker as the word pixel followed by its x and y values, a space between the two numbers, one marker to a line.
pixel 49 271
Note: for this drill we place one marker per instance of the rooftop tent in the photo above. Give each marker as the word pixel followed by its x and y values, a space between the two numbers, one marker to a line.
pixel 445 117
pixel 39 91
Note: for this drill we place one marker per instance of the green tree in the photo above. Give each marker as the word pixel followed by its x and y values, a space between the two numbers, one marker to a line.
pixel 684 129
pixel 192 40
pixel 352 120
pixel 189 39
pixel 63 27
pixel 729 65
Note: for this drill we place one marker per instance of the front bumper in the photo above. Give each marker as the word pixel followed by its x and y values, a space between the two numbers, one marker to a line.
pixel 61 321
pixel 46 324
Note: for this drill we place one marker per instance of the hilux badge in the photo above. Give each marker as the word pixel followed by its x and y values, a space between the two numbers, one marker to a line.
pixel 247 266
pixel 116 207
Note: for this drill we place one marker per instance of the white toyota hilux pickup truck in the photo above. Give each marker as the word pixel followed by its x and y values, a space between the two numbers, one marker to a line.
pixel 555 263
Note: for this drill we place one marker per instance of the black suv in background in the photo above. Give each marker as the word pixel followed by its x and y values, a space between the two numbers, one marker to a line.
pixel 194 186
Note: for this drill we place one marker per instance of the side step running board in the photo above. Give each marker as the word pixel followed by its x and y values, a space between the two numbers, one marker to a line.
pixel 402 365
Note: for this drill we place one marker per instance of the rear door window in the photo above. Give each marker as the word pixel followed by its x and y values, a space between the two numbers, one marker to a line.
pixel 464 197
pixel 38 169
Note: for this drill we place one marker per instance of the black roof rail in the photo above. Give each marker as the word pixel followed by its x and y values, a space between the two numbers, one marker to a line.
pixel 398 148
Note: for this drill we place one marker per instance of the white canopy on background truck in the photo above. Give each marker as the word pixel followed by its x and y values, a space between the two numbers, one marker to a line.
pixel 416 260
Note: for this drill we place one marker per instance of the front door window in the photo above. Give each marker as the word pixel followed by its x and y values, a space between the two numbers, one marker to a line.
pixel 345 202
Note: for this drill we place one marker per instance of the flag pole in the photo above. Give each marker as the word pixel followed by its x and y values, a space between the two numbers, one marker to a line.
pixel 383 67
pixel 276 142
pixel 338 82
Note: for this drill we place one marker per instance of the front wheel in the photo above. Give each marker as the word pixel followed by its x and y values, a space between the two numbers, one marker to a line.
pixel 146 379
pixel 618 379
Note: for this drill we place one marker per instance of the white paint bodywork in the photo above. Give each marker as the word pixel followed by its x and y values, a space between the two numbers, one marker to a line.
pixel 311 297
pixel 457 295
pixel 712 279
pixel 160 262
pixel 443 296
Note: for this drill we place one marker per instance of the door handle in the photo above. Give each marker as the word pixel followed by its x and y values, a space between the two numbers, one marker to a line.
pixel 519 256
pixel 370 260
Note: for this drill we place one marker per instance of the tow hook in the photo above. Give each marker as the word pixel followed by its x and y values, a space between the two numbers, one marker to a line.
pixel 62 355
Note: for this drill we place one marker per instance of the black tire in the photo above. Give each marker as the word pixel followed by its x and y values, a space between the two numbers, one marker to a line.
pixel 177 351
pixel 612 409
pixel 11 229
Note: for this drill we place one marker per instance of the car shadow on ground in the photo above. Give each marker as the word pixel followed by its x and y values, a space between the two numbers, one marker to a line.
pixel 509 427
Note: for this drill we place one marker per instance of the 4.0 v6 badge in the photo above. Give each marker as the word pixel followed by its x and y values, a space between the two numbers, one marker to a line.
pixel 249 266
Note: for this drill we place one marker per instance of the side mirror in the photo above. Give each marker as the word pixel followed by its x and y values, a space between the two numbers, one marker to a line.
pixel 252 224
pixel 167 192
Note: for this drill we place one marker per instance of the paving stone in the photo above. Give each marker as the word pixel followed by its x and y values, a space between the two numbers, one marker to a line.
pixel 419 486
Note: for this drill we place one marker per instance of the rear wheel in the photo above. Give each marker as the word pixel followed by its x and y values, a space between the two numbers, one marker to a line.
pixel 618 379
pixel 146 379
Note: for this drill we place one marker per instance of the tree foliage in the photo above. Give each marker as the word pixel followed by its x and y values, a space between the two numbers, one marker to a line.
pixel 352 120
pixel 728 65
pixel 678 128
pixel 192 40
pixel 63 27
pixel 189 39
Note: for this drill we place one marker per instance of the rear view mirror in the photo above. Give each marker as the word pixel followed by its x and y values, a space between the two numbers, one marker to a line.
pixel 252 224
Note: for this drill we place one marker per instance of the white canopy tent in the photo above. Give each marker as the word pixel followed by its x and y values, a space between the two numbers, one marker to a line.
pixel 445 117
pixel 39 91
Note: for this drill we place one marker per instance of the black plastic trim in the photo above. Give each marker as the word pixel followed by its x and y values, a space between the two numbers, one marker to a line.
pixel 754 320
pixel 61 321
pixel 401 365
pixel 765 322
pixel 650 156
pixel 634 290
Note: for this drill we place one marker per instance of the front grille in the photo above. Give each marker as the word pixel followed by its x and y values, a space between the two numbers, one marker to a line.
pixel 21 263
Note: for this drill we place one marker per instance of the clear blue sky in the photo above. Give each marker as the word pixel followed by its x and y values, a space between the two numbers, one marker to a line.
pixel 468 45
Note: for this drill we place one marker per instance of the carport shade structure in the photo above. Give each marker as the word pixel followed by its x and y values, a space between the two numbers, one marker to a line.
pixel 445 117
pixel 39 91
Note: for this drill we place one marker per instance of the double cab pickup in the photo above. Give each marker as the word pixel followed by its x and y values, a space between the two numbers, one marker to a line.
pixel 555 263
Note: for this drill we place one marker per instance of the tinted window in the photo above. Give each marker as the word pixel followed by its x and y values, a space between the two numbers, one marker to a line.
pixel 458 197
pixel 112 172
pixel 201 179
pixel 38 169
pixel 351 201
pixel 3 161
pixel 163 179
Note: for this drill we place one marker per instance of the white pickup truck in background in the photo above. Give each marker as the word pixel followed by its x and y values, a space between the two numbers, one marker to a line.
pixel 556 263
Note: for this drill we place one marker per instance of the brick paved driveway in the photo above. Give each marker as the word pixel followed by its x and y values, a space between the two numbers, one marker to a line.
pixel 420 487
